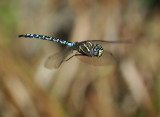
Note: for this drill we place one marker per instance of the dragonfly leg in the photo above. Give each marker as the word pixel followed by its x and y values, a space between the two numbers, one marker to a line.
pixel 73 56
pixel 112 55
pixel 72 50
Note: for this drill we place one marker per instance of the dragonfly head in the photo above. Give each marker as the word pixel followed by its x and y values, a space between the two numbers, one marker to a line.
pixel 97 50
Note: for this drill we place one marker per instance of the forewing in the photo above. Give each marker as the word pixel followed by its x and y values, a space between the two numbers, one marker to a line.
pixel 115 42
pixel 108 45
pixel 117 48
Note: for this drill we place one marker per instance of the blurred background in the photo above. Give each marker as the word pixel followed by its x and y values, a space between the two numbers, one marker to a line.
pixel 129 88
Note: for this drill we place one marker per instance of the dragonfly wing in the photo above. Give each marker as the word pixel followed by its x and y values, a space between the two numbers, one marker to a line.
pixel 55 60
pixel 104 41
pixel 106 59
pixel 111 44
pixel 117 48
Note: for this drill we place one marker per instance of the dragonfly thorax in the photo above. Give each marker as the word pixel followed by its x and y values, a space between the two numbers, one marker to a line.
pixel 97 50
pixel 88 48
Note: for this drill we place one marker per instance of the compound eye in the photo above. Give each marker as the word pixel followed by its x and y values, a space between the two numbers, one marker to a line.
pixel 100 52
pixel 97 50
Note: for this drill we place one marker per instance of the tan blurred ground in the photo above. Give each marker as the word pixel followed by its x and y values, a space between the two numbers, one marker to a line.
pixel 129 88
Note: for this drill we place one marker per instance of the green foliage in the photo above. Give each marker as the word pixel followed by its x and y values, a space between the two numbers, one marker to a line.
pixel 8 16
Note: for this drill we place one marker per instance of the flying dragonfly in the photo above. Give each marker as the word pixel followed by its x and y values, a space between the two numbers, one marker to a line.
pixel 89 48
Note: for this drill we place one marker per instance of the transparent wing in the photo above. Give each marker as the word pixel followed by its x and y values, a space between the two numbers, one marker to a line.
pixel 104 41
pixel 117 48
pixel 113 50
pixel 106 59
pixel 55 60
pixel 107 45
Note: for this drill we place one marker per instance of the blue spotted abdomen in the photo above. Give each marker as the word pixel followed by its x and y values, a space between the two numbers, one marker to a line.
pixel 43 37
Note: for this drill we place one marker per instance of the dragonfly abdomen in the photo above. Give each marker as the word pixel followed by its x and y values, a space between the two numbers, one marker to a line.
pixel 43 37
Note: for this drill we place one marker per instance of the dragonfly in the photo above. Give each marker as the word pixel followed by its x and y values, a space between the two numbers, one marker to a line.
pixel 89 48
